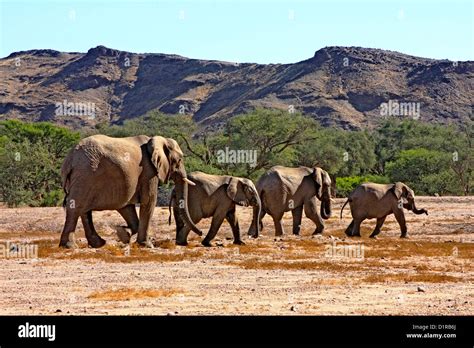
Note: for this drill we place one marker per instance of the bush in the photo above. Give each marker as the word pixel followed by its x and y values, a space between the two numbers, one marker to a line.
pixel 421 170
pixel 345 185
pixel 31 156
pixel 153 123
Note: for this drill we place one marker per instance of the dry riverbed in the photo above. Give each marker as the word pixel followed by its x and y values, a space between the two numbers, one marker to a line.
pixel 432 272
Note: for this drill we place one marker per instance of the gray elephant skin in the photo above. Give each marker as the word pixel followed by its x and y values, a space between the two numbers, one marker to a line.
pixel 215 196
pixel 376 201
pixel 105 173
pixel 283 189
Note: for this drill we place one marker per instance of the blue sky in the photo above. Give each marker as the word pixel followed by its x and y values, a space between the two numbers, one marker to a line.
pixel 262 31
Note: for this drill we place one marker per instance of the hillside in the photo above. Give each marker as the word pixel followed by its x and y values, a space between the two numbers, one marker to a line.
pixel 341 86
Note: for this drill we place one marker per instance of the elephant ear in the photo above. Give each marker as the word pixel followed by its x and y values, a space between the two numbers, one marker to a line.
pixel 235 191
pixel 157 148
pixel 318 178
pixel 398 189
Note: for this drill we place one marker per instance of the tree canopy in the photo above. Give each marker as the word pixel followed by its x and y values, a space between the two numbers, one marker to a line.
pixel 430 158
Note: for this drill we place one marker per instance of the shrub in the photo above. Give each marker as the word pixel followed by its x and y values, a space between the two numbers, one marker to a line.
pixel 345 185
pixel 31 156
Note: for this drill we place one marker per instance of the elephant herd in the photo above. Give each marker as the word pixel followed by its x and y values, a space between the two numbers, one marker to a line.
pixel 105 173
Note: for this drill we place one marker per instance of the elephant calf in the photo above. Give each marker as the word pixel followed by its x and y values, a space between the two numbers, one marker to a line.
pixel 376 201
pixel 214 196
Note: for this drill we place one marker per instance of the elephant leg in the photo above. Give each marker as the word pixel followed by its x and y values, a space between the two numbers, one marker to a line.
pixel 400 216
pixel 278 224
pixel 311 212
pixel 182 235
pixel 178 221
pixel 129 214
pixel 252 232
pixel 297 214
pixel 234 224
pixel 215 224
pixel 146 212
pixel 262 215
pixel 348 230
pixel 378 226
pixel 67 236
pixel 356 227
pixel 182 229
pixel 93 239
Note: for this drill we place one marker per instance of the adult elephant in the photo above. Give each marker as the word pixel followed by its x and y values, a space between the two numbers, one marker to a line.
pixel 282 189
pixel 215 196
pixel 105 173
pixel 376 201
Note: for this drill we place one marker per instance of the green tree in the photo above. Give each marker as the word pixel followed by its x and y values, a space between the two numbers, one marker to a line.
pixel 418 168
pixel 345 185
pixel 273 134
pixel 455 141
pixel 153 123
pixel 341 153
pixel 31 156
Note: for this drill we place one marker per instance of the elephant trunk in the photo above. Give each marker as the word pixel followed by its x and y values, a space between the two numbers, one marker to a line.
pixel 415 210
pixel 181 187
pixel 326 204
pixel 257 210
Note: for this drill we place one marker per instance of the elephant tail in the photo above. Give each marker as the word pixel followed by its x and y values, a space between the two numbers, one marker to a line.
pixel 348 200
pixel 172 198
pixel 66 170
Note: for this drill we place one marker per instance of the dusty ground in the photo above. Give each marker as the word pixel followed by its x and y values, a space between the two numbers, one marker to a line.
pixel 432 272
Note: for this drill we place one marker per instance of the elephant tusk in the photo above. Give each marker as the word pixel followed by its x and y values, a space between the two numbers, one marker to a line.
pixel 189 182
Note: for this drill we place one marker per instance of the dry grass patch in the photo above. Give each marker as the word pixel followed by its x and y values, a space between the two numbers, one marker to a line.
pixel 18 237
pixel 166 244
pixel 122 257
pixel 127 294
pixel 401 248
pixel 309 245
pixel 425 277
pixel 336 266
pixel 115 254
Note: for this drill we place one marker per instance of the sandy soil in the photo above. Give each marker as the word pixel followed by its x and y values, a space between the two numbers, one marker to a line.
pixel 432 272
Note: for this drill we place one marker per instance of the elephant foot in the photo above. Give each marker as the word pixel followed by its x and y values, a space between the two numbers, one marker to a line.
pixel 181 243
pixel 123 234
pixel 373 236
pixel 145 244
pixel 206 243
pixel 318 231
pixel 69 242
pixel 68 245
pixel 96 242
pixel 238 242
pixel 404 235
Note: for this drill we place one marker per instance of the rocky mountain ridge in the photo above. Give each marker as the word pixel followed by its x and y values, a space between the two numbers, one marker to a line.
pixel 339 86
